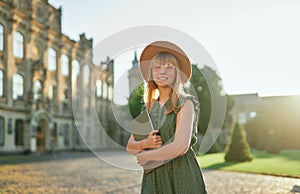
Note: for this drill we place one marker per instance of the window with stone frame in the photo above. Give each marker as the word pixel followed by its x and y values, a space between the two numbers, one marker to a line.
pixel 18 45
pixel 64 65
pixel 2 131
pixel 105 90
pixel 98 88
pixel 18 87
pixel 51 59
pixel 110 93
pixel 37 90
pixel 1 37
pixel 1 83
pixel 19 132
pixel 75 70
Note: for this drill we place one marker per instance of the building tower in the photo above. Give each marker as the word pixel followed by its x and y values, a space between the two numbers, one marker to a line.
pixel 134 75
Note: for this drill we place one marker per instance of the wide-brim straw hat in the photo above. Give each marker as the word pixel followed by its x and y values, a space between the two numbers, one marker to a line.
pixel 164 46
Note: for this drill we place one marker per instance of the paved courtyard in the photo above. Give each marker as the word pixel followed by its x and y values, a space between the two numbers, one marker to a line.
pixel 85 173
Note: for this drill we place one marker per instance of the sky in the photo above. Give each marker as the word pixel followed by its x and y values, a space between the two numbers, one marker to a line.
pixel 254 43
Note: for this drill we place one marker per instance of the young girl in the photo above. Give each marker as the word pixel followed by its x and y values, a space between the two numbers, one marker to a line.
pixel 166 67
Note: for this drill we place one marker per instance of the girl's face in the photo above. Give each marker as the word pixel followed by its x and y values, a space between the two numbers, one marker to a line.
pixel 164 73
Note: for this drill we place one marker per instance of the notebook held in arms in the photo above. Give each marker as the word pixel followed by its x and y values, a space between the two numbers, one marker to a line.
pixel 141 126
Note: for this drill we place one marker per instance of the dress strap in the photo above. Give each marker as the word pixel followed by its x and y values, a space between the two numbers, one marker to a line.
pixel 181 101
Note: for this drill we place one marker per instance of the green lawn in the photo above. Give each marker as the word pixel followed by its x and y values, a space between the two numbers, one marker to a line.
pixel 287 163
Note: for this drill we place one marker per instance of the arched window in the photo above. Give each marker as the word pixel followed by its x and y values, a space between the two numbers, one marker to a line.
pixel 110 93
pixel 86 74
pixel 75 69
pixel 37 90
pixel 18 86
pixel 1 37
pixel 98 88
pixel 1 83
pixel 64 65
pixel 51 59
pixel 19 132
pixel 104 90
pixel 18 49
pixel 2 130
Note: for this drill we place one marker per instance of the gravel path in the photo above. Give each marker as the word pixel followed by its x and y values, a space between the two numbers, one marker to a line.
pixel 85 173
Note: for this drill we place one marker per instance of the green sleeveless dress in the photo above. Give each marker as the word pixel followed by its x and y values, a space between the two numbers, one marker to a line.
pixel 182 174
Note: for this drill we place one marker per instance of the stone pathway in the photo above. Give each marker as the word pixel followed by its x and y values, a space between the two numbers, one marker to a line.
pixel 245 183
pixel 85 173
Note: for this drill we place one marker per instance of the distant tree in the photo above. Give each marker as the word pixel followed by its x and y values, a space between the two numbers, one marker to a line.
pixel 238 150
pixel 199 81
pixel 136 102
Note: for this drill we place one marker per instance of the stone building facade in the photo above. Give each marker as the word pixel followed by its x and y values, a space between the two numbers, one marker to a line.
pixel 39 66
pixel 278 117
pixel 246 107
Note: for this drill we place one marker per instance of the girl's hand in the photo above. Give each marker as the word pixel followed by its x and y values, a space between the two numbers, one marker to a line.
pixel 141 158
pixel 153 140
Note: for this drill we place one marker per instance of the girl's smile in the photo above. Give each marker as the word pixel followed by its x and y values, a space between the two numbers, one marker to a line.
pixel 163 73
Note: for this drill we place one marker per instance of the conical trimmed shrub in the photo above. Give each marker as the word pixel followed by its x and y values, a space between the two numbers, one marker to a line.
pixel 238 149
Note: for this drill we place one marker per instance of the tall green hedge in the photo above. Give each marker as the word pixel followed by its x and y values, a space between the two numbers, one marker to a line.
pixel 238 149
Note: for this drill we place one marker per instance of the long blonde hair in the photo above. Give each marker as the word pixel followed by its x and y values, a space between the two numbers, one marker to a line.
pixel 151 88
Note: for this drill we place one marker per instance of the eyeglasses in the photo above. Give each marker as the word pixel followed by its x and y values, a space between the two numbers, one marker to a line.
pixel 157 65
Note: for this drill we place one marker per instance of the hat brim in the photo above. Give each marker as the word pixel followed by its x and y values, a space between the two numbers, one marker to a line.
pixel 163 46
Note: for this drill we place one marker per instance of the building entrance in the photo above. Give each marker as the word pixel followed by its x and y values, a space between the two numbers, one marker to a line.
pixel 41 136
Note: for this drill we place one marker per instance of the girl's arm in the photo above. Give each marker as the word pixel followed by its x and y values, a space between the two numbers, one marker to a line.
pixel 182 139
pixel 152 141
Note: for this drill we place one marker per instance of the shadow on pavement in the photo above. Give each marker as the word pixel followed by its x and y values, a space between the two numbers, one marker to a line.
pixel 46 157
pixel 221 165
